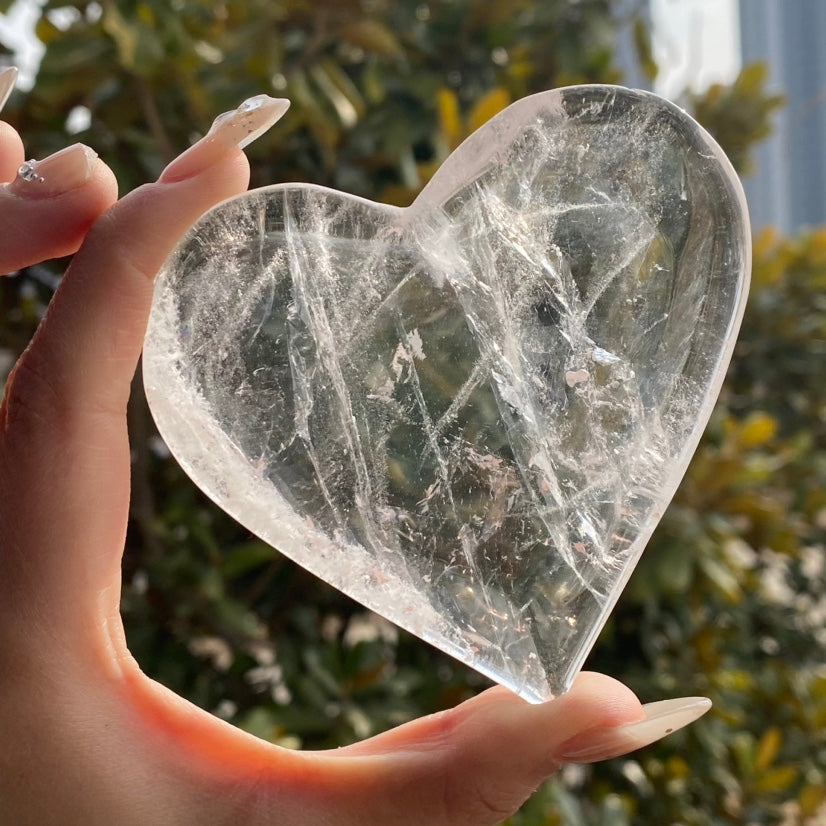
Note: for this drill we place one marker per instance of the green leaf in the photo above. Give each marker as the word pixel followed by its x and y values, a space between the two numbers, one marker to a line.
pixel 372 36
pixel 721 577
pixel 139 47
pixel 125 35
pixel 645 54
pixel 244 558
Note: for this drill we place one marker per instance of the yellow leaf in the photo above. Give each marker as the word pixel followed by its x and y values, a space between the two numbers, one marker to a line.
pixel 768 748
pixel 811 798
pixel 765 243
pixel 758 429
pixel 772 256
pixel 752 77
pixel 146 14
pixel 817 687
pixel 677 768
pixel 448 106
pixel 46 31
pixel 777 780
pixel 817 247
pixel 486 107
pixel 734 679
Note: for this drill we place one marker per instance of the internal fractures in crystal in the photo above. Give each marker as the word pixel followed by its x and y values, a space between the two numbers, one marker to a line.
pixel 468 414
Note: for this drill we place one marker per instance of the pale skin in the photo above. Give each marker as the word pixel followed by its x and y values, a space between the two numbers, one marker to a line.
pixel 87 738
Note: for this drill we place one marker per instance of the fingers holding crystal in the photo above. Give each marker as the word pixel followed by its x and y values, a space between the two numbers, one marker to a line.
pixel 477 763
pixel 64 490
pixel 104 302
pixel 62 420
pixel 472 764
pixel 50 205
pixel 46 206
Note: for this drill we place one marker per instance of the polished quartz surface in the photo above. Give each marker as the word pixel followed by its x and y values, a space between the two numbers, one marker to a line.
pixel 469 414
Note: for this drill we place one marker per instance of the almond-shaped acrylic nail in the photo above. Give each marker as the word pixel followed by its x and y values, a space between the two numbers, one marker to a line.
pixel 661 719
pixel 237 128
pixel 58 173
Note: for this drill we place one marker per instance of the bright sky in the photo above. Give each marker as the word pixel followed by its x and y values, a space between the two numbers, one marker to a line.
pixel 17 31
pixel 696 43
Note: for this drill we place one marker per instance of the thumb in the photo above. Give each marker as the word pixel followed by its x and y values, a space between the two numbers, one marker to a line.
pixel 478 763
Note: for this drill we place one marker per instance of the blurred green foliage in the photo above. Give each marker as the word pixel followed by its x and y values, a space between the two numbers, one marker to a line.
pixel 730 598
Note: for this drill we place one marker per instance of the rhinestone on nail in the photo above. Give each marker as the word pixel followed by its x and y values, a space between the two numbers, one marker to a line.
pixel 27 172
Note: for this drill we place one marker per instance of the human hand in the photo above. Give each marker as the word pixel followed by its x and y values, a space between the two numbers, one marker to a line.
pixel 86 737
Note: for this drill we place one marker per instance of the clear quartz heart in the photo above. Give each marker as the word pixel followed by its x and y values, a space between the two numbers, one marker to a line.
pixel 468 414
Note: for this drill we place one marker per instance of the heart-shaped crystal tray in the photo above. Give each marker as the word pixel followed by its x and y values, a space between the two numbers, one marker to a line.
pixel 468 414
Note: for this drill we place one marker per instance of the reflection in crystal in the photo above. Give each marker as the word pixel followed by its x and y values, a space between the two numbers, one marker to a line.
pixel 471 413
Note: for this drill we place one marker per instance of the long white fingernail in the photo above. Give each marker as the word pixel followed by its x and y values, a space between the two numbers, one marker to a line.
pixel 661 719
pixel 249 121
pixel 236 128
pixel 8 77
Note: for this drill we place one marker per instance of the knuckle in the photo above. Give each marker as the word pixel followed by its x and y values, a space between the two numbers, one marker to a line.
pixel 490 804
pixel 475 799
pixel 31 398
